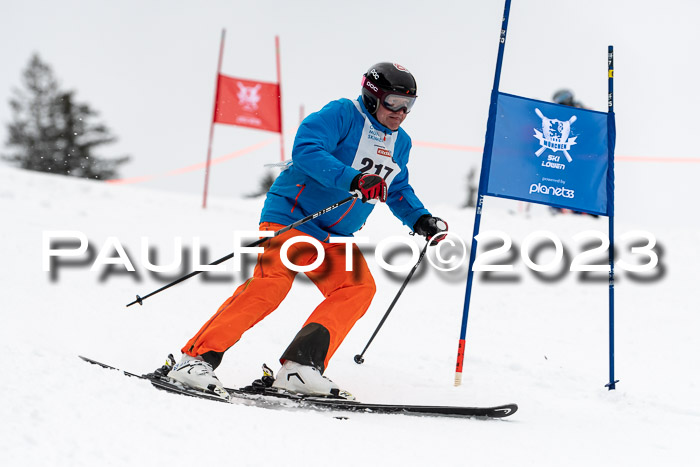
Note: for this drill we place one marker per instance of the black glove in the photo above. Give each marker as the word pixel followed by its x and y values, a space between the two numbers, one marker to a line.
pixel 369 187
pixel 429 226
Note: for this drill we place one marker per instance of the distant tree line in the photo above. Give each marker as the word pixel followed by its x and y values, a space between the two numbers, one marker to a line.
pixel 52 132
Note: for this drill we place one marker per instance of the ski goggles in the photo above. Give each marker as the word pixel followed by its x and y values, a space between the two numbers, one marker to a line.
pixel 563 97
pixel 390 100
pixel 396 102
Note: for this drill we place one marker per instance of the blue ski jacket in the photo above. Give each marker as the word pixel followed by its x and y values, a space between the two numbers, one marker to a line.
pixel 331 147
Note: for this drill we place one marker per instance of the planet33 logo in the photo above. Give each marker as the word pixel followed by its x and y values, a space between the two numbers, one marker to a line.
pixel 551 190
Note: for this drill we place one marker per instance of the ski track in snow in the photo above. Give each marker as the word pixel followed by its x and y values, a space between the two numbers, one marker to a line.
pixel 541 345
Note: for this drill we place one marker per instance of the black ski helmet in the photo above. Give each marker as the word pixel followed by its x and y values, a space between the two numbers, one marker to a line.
pixel 386 78
pixel 564 97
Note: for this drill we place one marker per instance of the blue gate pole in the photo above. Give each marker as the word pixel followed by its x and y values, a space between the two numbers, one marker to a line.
pixel 483 184
pixel 611 217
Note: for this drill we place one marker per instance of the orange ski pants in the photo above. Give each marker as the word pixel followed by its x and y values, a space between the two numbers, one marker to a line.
pixel 348 294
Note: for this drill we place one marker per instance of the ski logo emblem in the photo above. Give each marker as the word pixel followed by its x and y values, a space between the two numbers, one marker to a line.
pixel 248 96
pixel 554 135
pixel 505 410
pixel 289 377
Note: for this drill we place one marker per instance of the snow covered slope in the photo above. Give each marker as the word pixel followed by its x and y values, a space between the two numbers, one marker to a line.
pixel 542 344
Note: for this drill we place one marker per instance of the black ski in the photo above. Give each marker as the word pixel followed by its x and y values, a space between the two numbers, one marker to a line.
pixel 272 398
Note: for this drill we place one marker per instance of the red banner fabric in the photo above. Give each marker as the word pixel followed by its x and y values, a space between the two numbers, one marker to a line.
pixel 253 104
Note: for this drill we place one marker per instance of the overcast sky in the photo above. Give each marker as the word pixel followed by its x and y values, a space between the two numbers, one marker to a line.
pixel 149 68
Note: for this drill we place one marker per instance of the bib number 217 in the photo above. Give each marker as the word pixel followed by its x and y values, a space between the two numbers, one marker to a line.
pixel 368 164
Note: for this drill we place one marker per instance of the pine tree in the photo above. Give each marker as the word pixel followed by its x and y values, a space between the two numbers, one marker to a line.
pixel 51 132
pixel 472 188
pixel 264 185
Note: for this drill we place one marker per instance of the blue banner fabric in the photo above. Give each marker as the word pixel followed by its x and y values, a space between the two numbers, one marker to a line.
pixel 549 154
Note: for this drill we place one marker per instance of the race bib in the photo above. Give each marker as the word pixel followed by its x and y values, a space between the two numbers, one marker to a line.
pixel 375 152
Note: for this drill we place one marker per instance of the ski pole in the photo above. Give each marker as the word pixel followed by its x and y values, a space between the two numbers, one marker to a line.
pixel 358 358
pixel 291 226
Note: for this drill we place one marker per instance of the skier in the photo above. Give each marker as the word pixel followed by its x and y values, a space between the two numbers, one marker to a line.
pixel 348 146
pixel 566 97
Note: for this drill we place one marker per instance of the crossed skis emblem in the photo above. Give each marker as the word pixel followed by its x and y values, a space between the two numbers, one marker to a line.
pixel 555 135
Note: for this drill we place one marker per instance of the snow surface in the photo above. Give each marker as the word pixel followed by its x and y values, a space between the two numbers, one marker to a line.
pixel 540 344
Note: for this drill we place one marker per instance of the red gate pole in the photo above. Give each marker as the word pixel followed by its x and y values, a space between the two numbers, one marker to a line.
pixel 213 118
pixel 279 84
